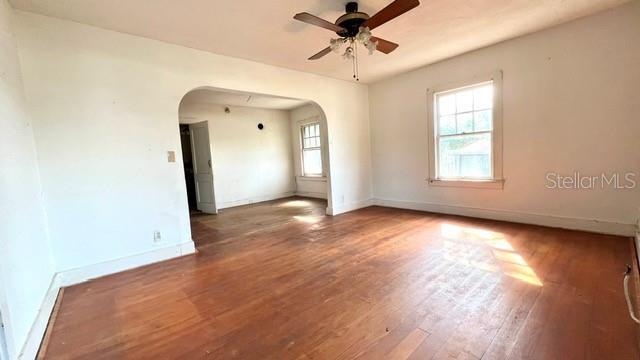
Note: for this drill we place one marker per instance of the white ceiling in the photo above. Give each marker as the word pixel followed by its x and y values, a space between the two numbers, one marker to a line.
pixel 241 99
pixel 264 31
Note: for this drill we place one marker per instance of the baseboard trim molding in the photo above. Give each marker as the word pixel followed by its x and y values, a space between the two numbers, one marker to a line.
pixel 46 337
pixel 36 333
pixel 75 276
pixel 228 204
pixel 85 273
pixel 351 206
pixel 597 226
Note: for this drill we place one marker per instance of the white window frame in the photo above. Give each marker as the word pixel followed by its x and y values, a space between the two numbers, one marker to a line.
pixel 496 181
pixel 301 127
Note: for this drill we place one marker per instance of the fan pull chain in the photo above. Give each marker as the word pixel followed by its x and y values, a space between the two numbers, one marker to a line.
pixel 353 58
pixel 356 75
pixel 353 63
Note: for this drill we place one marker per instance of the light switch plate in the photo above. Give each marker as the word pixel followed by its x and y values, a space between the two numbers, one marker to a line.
pixel 171 156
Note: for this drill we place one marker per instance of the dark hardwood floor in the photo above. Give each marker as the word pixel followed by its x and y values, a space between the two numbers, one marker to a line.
pixel 246 220
pixel 376 283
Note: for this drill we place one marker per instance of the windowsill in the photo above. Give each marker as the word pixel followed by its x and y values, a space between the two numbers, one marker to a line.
pixel 312 178
pixel 476 184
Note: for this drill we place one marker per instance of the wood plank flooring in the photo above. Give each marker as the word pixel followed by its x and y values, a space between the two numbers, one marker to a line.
pixel 278 280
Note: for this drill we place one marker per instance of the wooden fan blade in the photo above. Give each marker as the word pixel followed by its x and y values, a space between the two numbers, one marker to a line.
pixel 392 11
pixel 384 46
pixel 322 53
pixel 314 20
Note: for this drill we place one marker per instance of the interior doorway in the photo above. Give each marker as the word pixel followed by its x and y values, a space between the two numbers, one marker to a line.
pixel 187 159
pixel 198 167
pixel 257 161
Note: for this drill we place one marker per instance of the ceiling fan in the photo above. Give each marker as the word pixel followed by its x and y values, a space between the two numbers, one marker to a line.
pixel 355 27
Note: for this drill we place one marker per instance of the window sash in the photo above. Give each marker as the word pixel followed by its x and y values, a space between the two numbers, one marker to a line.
pixel 470 178
pixel 305 167
pixel 495 78
pixel 465 133
pixel 438 136
pixel 306 131
pixel 310 132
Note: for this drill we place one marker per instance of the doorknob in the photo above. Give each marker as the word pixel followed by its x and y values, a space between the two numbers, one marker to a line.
pixel 209 162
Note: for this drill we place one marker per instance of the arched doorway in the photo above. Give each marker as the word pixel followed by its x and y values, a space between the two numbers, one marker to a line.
pixel 252 153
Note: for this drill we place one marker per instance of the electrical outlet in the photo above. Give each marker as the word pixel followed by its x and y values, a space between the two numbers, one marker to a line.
pixel 157 237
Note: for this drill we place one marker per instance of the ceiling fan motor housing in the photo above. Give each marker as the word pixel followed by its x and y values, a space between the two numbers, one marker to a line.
pixel 351 21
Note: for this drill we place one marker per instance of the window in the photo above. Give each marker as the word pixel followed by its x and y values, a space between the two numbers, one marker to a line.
pixel 465 134
pixel 311 149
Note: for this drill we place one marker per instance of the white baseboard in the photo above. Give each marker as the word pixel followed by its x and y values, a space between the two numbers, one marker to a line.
pixel 82 274
pixel 351 206
pixel 597 226
pixel 315 195
pixel 257 199
pixel 36 333
pixel 78 275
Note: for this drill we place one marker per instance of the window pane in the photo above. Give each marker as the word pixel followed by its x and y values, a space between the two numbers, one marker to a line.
pixel 465 123
pixel 446 104
pixel 447 125
pixel 306 131
pixel 317 126
pixel 312 162
pixel 465 156
pixel 464 100
pixel 483 97
pixel 482 120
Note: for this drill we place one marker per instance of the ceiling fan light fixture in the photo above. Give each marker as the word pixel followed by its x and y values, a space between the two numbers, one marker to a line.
pixel 364 34
pixel 354 28
pixel 348 53
pixel 372 46
pixel 335 45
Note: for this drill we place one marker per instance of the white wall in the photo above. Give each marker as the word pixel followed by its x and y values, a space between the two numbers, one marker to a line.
pixel 26 266
pixel 105 108
pixel 249 165
pixel 308 186
pixel 570 103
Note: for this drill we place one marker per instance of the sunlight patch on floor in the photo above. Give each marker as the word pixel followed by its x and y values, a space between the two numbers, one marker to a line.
pixel 486 250
pixel 295 203
pixel 309 219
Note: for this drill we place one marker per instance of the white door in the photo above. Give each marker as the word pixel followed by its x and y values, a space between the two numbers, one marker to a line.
pixel 202 169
